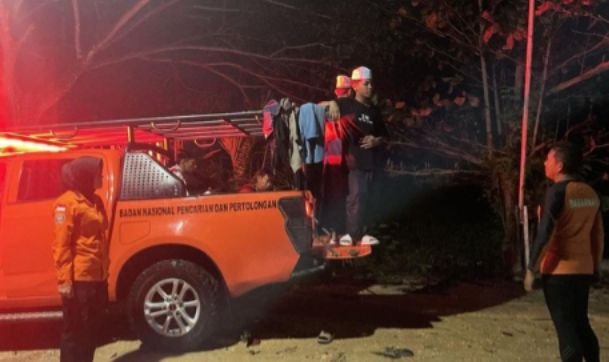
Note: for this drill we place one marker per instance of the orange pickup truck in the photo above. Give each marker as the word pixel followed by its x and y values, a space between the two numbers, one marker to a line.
pixel 173 257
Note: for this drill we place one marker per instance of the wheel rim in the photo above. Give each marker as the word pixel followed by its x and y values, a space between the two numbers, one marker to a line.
pixel 172 307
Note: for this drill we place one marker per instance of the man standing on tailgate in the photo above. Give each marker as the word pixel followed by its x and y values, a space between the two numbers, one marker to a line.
pixel 363 131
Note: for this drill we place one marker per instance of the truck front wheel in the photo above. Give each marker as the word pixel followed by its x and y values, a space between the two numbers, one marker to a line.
pixel 173 305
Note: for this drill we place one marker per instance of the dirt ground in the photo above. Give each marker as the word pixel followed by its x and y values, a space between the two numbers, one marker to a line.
pixel 457 321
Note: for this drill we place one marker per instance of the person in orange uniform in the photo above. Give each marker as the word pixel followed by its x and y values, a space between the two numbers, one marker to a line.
pixel 568 251
pixel 80 252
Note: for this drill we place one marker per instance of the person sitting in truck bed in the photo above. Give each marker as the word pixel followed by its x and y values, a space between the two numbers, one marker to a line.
pixel 186 170
pixel 185 167
pixel 261 181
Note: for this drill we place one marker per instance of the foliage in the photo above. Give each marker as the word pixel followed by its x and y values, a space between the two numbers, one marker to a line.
pixel 443 126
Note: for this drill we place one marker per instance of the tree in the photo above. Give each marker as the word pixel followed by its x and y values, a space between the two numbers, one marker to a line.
pixel 75 60
pixel 465 43
pixel 54 53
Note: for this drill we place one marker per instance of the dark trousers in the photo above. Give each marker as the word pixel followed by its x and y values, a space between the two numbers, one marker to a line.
pixel 334 193
pixel 313 178
pixel 82 316
pixel 358 202
pixel 567 300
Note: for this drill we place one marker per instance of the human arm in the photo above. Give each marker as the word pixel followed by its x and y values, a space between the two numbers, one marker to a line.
pixel 551 210
pixel 332 109
pixel 62 248
pixel 371 141
pixel 553 206
pixel 379 135
pixel 597 238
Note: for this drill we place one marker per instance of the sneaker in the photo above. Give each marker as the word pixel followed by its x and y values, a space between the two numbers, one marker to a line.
pixel 345 240
pixel 369 240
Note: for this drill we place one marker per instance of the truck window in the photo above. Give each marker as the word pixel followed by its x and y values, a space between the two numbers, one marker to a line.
pixel 41 180
pixel 145 178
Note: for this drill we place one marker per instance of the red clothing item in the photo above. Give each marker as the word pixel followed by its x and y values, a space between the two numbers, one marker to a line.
pixel 247 188
pixel 333 144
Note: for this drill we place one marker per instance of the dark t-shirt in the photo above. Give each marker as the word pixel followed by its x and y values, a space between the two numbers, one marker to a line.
pixel 357 121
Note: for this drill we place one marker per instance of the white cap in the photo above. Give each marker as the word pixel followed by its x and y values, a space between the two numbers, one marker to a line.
pixel 342 81
pixel 360 73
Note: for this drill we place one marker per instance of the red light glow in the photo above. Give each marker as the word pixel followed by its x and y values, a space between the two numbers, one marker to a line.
pixel 13 145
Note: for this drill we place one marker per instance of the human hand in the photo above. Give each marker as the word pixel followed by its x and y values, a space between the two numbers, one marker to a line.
pixel 333 110
pixel 65 290
pixel 529 279
pixel 370 141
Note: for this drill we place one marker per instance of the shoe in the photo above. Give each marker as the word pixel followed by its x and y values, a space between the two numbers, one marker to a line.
pixel 369 240
pixel 345 240
pixel 324 337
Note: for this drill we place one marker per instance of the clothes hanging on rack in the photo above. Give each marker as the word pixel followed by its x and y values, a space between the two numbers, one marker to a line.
pixel 311 121
pixel 296 162
pixel 277 134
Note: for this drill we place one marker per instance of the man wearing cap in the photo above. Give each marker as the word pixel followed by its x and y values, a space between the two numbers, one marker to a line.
pixel 332 203
pixel 363 131
pixel 343 86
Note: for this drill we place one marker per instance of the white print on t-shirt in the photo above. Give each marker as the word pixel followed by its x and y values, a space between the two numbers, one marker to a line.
pixel 364 118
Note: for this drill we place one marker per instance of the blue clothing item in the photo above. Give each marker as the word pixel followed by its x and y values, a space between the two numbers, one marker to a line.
pixel 311 124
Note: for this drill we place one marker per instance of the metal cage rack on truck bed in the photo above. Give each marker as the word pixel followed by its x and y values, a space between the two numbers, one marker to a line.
pixel 193 127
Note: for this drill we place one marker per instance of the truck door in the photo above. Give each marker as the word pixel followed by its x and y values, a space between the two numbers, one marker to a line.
pixel 27 229
pixel 2 200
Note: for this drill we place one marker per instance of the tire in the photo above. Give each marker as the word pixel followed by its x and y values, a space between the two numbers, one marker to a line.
pixel 173 305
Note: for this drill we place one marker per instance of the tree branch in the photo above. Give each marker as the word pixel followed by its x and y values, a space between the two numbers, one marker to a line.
pixel 77 45
pixel 30 13
pixel 575 57
pixel 127 16
pixel 299 47
pixel 143 18
pixel 211 49
pixel 216 9
pixel 597 147
pixel 212 68
pixel 544 79
pixel 291 7
pixel 602 67
pixel 21 41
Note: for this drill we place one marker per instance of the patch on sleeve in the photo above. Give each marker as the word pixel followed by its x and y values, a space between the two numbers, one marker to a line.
pixel 60 214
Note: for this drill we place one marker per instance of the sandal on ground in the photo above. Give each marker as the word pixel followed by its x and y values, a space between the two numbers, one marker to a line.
pixel 324 337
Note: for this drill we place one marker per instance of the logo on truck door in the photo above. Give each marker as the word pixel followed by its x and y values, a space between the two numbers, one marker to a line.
pixel 224 207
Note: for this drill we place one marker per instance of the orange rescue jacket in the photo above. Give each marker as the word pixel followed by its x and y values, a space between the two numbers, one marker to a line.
pixel 80 248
